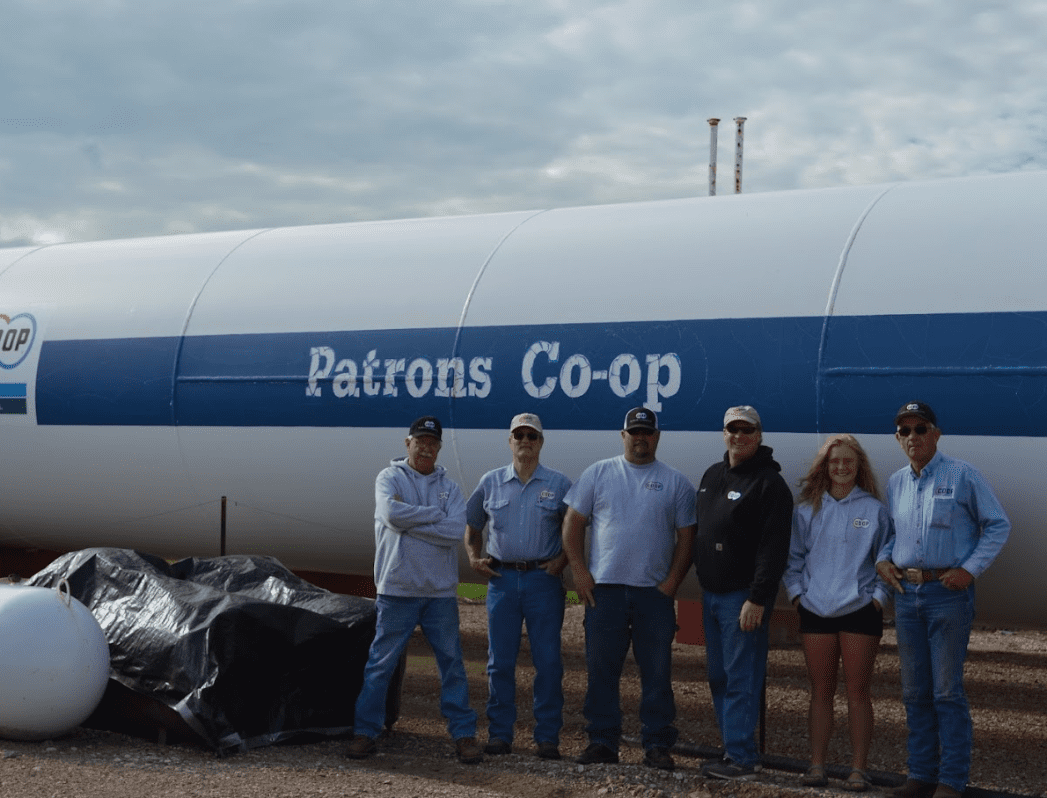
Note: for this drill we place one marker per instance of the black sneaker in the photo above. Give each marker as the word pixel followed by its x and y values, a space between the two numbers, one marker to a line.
pixel 728 769
pixel 658 757
pixel 497 747
pixel 547 749
pixel 598 754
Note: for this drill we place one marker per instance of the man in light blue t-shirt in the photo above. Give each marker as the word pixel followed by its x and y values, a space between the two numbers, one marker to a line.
pixel 642 516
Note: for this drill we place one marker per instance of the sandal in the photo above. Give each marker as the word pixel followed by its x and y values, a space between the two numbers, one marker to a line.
pixel 815 777
pixel 858 781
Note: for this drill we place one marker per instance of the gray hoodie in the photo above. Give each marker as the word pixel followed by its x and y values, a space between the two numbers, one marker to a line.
pixel 419 520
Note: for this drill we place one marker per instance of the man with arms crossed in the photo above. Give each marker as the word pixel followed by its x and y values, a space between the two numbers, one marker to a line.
pixel 418 519
pixel 642 517
pixel 523 504
pixel 949 527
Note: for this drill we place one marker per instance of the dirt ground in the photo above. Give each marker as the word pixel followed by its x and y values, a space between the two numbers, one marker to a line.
pixel 1006 678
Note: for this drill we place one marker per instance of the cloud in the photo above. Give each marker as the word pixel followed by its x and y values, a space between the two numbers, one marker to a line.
pixel 128 118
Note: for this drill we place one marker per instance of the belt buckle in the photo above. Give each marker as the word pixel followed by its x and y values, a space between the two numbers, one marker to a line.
pixel 520 565
pixel 914 575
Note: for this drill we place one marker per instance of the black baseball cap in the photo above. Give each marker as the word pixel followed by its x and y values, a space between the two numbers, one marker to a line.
pixel 918 409
pixel 641 417
pixel 427 425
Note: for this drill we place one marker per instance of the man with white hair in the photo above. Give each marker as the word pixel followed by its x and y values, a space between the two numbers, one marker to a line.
pixel 418 518
pixel 949 527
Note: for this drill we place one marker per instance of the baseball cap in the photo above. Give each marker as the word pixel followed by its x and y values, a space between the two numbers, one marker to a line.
pixel 526 420
pixel 918 409
pixel 641 417
pixel 746 413
pixel 427 425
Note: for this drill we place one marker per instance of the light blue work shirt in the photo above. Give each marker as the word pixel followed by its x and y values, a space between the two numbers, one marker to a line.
pixel 524 519
pixel 634 512
pixel 947 517
pixel 832 554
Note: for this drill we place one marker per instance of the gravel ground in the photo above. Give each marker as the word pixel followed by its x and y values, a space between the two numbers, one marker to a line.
pixel 1006 678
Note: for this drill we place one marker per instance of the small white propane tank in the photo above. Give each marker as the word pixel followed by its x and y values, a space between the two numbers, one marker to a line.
pixel 54 662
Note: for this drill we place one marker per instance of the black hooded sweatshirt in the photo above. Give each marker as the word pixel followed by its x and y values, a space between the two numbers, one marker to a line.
pixel 744 526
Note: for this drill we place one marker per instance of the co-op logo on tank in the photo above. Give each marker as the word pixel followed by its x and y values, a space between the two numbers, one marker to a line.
pixel 541 372
pixel 17 334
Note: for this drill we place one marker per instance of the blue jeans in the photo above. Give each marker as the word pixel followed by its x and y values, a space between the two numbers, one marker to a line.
pixel 737 664
pixel 397 618
pixel 645 617
pixel 514 598
pixel 934 627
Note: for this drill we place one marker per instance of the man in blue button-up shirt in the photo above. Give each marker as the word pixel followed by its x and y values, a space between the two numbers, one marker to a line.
pixel 523 505
pixel 949 528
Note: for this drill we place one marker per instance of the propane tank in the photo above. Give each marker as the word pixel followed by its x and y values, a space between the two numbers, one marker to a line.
pixel 54 662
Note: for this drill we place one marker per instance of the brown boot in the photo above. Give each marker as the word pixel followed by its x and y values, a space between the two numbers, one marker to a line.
pixel 361 747
pixel 914 789
pixel 468 751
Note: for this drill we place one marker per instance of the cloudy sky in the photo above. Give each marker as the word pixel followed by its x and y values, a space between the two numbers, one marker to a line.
pixel 140 117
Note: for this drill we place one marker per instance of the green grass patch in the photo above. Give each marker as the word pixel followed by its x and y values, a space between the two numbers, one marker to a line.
pixel 466 590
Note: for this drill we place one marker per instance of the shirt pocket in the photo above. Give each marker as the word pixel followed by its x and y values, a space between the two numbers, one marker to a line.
pixel 942 509
pixel 549 507
pixel 498 512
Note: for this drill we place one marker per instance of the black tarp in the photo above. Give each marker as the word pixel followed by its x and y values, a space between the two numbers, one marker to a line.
pixel 246 653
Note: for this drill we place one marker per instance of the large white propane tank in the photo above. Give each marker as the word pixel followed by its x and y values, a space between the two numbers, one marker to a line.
pixel 54 662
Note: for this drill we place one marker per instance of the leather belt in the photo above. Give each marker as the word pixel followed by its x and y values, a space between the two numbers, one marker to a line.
pixel 523 565
pixel 918 576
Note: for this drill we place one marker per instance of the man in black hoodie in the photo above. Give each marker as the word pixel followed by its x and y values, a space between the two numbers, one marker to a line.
pixel 740 551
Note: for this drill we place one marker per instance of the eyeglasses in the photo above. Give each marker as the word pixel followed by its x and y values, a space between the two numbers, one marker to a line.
pixel 739 430
pixel 531 436
pixel 919 429
pixel 642 432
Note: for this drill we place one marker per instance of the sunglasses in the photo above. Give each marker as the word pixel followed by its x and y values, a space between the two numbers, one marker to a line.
pixel 531 436
pixel 919 429
pixel 740 430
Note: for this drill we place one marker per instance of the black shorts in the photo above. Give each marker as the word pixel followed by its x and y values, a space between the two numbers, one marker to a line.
pixel 866 621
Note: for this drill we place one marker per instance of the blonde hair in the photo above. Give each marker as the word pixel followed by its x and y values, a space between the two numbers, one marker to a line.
pixel 817 482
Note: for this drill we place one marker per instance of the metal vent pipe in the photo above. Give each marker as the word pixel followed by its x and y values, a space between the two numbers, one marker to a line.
pixel 740 122
pixel 712 156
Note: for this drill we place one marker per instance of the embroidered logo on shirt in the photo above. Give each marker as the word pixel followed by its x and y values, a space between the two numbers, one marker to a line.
pixel 547 494
pixel 444 495
pixel 943 493
pixel 654 486
pixel 860 523
pixel 733 495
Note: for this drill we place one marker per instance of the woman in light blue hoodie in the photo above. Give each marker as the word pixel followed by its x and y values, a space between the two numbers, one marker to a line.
pixel 840 525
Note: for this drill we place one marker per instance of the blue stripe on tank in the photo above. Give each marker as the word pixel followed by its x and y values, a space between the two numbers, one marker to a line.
pixel 987 372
